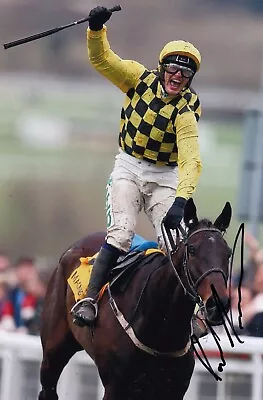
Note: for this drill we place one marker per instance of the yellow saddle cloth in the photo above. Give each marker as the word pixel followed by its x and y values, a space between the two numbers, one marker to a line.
pixel 79 279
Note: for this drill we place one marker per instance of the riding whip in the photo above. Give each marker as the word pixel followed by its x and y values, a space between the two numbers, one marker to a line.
pixel 51 31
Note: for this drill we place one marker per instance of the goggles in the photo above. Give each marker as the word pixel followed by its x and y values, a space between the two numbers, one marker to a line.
pixel 172 68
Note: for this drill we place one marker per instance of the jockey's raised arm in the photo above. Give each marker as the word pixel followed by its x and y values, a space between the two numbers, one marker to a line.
pixel 123 73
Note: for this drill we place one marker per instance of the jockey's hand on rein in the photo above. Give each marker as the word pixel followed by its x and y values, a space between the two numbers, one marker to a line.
pixel 97 17
pixel 175 213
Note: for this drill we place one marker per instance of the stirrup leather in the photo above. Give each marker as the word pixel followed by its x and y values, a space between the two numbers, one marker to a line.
pixel 89 300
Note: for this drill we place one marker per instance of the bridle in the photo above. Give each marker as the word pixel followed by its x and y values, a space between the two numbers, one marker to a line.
pixel 191 288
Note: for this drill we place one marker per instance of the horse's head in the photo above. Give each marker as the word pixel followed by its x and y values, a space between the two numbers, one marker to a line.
pixel 206 261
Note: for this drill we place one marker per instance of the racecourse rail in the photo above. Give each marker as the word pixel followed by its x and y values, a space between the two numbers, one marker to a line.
pixel 20 357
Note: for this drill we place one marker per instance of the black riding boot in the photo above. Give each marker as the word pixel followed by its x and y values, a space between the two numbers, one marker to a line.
pixel 85 311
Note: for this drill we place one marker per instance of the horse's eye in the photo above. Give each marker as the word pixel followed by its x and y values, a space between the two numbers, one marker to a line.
pixel 191 250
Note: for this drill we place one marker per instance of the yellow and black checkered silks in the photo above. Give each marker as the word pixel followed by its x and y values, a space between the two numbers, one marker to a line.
pixel 152 126
pixel 148 122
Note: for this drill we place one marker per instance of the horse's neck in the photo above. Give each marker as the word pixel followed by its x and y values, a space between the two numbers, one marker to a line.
pixel 168 295
pixel 167 311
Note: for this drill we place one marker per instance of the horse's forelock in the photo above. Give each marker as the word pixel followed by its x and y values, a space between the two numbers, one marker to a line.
pixel 203 223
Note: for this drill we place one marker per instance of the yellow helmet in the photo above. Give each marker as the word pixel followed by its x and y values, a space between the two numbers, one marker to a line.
pixel 182 48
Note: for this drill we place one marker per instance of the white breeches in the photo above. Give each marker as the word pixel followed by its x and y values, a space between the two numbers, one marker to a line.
pixel 136 185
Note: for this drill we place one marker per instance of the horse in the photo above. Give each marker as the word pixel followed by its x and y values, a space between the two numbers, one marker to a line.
pixel 141 340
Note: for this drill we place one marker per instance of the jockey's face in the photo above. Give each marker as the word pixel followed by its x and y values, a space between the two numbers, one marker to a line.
pixel 174 83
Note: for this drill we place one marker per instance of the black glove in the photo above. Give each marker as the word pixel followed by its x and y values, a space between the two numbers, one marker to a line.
pixel 97 17
pixel 175 213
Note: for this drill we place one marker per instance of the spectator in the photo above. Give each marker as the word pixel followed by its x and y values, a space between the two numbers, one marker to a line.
pixel 255 256
pixel 36 288
pixel 246 298
pixel 24 270
pixel 252 306
pixel 5 264
pixel 254 259
pixel 4 291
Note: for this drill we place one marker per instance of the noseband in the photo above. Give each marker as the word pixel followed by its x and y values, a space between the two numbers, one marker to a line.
pixel 191 291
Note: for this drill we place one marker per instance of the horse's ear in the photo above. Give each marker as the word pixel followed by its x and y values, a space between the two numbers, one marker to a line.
pixel 190 216
pixel 223 220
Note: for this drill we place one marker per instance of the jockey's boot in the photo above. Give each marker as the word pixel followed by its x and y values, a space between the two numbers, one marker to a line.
pixel 85 311
pixel 199 328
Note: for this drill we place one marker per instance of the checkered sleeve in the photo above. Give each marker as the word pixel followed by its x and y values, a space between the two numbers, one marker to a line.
pixel 189 160
pixel 123 73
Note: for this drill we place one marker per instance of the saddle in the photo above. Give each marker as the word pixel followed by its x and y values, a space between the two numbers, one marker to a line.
pixel 141 253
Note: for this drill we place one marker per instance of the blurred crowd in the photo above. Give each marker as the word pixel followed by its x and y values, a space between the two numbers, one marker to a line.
pixel 23 286
pixel 251 291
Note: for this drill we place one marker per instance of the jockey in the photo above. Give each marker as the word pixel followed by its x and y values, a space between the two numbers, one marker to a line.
pixel 158 164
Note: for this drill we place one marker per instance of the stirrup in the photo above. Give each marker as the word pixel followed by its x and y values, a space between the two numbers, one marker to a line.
pixel 89 300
